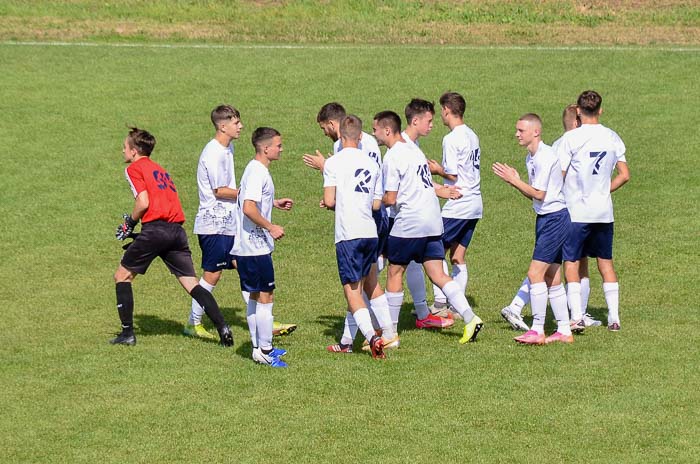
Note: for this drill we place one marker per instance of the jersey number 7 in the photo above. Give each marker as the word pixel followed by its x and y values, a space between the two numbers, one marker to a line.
pixel 599 155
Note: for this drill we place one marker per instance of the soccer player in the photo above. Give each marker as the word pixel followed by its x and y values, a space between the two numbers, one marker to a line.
pixel 328 119
pixel 460 167
pixel 254 243
pixel 158 207
pixel 353 188
pixel 590 154
pixel 513 312
pixel 419 123
pixel 417 231
pixel 544 188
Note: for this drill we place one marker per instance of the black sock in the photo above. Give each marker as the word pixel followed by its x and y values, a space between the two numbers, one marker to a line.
pixel 125 306
pixel 267 351
pixel 208 303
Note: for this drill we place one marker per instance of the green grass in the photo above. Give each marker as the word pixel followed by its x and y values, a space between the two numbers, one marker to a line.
pixel 67 396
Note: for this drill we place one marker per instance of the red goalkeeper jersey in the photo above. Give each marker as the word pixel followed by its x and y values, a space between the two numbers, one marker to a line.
pixel 163 202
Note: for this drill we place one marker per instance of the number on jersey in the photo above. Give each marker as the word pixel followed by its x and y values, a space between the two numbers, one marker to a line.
pixel 599 155
pixel 424 174
pixel 365 178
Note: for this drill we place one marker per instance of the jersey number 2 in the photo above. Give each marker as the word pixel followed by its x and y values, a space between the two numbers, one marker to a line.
pixel 365 178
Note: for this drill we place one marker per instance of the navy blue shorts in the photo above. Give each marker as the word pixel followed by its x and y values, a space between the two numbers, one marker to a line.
pixel 355 258
pixel 164 240
pixel 216 252
pixel 404 250
pixel 594 240
pixel 382 222
pixel 457 231
pixel 256 273
pixel 551 231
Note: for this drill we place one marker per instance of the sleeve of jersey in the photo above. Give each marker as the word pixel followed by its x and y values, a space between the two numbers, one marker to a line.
pixel 254 187
pixel 378 185
pixel 134 176
pixel 215 172
pixel 563 154
pixel 449 157
pixel 392 175
pixel 329 179
pixel 620 149
pixel 542 170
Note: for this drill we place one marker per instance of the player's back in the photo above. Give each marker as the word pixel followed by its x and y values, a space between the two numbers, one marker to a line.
pixel 461 156
pixel 590 154
pixel 163 201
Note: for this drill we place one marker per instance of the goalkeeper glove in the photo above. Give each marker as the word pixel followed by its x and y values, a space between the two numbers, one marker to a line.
pixel 125 229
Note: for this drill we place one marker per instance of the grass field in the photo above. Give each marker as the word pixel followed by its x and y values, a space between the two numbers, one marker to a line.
pixel 68 396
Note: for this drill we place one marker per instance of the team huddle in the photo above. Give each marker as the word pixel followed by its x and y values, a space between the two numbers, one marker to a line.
pixel 387 210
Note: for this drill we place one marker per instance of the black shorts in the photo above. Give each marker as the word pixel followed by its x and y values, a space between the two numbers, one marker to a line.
pixel 162 239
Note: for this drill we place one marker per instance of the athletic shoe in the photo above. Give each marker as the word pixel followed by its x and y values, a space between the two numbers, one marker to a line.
pixel 471 330
pixel 578 327
pixel 530 338
pixel 514 319
pixel 277 352
pixel 614 327
pixel 225 336
pixel 376 346
pixel 588 321
pixel 389 344
pixel 339 348
pixel 124 339
pixel 439 309
pixel 434 322
pixel 197 331
pixel 279 329
pixel 267 359
pixel 559 337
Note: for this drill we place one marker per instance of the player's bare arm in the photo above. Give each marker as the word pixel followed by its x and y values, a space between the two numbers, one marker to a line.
pixel 225 193
pixel 329 197
pixel 510 175
pixel 389 198
pixel 284 204
pixel 252 212
pixel 140 206
pixel 448 192
pixel 438 170
pixel 622 177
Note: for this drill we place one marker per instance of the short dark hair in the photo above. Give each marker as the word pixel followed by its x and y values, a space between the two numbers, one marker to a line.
pixel 224 113
pixel 141 140
pixel 388 119
pixel 263 134
pixel 417 107
pixel 351 127
pixel 453 102
pixel 589 103
pixel 570 117
pixel 331 112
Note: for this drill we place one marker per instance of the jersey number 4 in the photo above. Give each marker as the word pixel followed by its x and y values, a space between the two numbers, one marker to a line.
pixel 365 178
pixel 599 155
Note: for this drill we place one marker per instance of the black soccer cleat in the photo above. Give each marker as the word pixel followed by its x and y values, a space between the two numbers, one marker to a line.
pixel 226 336
pixel 124 339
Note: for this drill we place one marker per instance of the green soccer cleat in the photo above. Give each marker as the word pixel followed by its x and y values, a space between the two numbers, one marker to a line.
pixel 471 330
pixel 197 331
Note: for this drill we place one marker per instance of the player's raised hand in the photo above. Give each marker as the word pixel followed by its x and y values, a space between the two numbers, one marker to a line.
pixel 315 161
pixel 505 172
pixel 277 232
pixel 435 167
pixel 284 203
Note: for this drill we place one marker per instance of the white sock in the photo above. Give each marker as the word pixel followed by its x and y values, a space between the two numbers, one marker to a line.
pixel 251 306
pixel 375 323
pixel 585 292
pixel 364 322
pixel 197 312
pixel 557 300
pixel 246 296
pixel 264 320
pixel 538 303
pixel 380 309
pixel 573 295
pixel 416 286
pixel 395 300
pixel 381 264
pixel 349 330
pixel 521 298
pixel 458 301
pixel 438 296
pixel 461 276
pixel 612 298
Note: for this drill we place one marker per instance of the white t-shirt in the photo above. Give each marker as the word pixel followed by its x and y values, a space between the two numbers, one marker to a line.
pixel 544 173
pixel 357 184
pixel 461 157
pixel 589 154
pixel 417 207
pixel 256 185
pixel 370 147
pixel 215 170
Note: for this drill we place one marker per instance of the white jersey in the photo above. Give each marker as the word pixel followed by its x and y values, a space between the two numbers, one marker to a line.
pixel 461 157
pixel 589 155
pixel 369 146
pixel 417 207
pixel 544 174
pixel 215 170
pixel 256 185
pixel 357 184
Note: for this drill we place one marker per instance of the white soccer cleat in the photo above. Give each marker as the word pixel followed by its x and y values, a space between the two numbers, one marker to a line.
pixel 515 320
